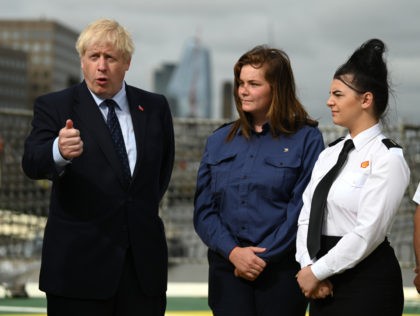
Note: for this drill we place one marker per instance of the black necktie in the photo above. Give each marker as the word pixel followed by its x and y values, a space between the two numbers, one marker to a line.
pixel 319 200
pixel 117 137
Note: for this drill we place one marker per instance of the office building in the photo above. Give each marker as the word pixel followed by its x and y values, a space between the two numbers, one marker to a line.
pixel 228 108
pixel 161 78
pixel 53 63
pixel 13 79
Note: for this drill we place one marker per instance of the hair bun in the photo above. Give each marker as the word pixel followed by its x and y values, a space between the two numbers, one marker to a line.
pixel 375 44
pixel 368 59
pixel 368 72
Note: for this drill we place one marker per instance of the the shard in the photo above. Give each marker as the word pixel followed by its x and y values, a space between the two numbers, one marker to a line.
pixel 190 83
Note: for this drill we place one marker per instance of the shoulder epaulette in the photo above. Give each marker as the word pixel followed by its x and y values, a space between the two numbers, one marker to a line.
pixel 223 125
pixel 389 143
pixel 336 141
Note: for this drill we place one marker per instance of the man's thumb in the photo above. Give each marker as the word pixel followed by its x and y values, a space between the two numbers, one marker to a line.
pixel 69 124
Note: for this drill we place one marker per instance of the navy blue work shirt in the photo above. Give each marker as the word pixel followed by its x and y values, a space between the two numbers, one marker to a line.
pixel 249 191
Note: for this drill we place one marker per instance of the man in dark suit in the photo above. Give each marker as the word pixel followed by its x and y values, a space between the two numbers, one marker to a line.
pixel 104 250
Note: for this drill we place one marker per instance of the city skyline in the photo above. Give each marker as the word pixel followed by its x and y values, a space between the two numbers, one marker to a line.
pixel 190 84
pixel 317 36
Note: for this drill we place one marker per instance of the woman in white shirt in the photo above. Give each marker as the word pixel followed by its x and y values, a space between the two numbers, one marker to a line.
pixel 355 271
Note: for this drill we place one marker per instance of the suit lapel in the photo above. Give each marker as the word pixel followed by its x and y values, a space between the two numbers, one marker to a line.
pixel 92 119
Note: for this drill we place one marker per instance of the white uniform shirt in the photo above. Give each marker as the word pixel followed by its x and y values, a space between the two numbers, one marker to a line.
pixel 361 204
pixel 416 197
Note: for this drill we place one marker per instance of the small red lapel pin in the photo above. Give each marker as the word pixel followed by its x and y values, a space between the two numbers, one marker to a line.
pixel 140 108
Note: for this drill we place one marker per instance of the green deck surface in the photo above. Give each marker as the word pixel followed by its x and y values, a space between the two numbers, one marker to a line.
pixel 177 306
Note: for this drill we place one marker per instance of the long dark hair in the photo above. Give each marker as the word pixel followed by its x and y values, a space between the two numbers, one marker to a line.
pixel 286 114
pixel 368 73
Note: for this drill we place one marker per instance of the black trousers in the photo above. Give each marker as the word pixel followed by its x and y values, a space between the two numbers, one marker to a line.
pixel 274 292
pixel 128 301
pixel 372 287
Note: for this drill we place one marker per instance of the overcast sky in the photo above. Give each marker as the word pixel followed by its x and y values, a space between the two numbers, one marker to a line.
pixel 317 35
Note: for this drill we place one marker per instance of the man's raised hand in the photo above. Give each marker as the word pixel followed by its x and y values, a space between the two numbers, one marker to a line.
pixel 69 141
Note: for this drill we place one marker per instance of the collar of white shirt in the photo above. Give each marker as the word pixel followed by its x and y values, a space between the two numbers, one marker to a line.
pixel 364 137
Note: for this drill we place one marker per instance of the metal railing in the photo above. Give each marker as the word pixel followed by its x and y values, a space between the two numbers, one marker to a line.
pixel 24 203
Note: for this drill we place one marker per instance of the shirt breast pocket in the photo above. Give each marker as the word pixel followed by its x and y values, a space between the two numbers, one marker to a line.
pixel 355 179
pixel 347 190
pixel 220 167
pixel 281 172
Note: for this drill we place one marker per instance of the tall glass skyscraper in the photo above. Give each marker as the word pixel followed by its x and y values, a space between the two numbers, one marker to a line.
pixel 190 83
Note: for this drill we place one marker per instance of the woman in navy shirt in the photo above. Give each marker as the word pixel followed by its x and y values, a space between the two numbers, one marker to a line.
pixel 249 191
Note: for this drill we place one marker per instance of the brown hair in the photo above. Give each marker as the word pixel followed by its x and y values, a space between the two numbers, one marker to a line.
pixel 286 114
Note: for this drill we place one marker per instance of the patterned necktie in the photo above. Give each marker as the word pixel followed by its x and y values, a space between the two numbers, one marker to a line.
pixel 319 200
pixel 117 137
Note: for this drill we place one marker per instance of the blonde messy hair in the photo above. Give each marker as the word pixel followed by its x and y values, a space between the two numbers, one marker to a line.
pixel 106 31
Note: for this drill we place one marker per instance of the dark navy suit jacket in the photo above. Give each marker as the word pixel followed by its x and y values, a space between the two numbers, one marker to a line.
pixel 93 217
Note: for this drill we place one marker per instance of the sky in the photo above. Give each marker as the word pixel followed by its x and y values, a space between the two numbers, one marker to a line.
pixel 318 36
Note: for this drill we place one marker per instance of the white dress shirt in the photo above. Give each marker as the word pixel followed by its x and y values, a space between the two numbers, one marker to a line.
pixel 126 123
pixel 416 197
pixel 362 202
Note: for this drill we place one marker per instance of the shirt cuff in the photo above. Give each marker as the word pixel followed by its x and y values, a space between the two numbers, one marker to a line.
pixel 321 270
pixel 304 260
pixel 60 162
pixel 416 197
pixel 226 247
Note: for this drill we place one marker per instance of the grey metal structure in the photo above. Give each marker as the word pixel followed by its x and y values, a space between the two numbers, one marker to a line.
pixel 24 203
